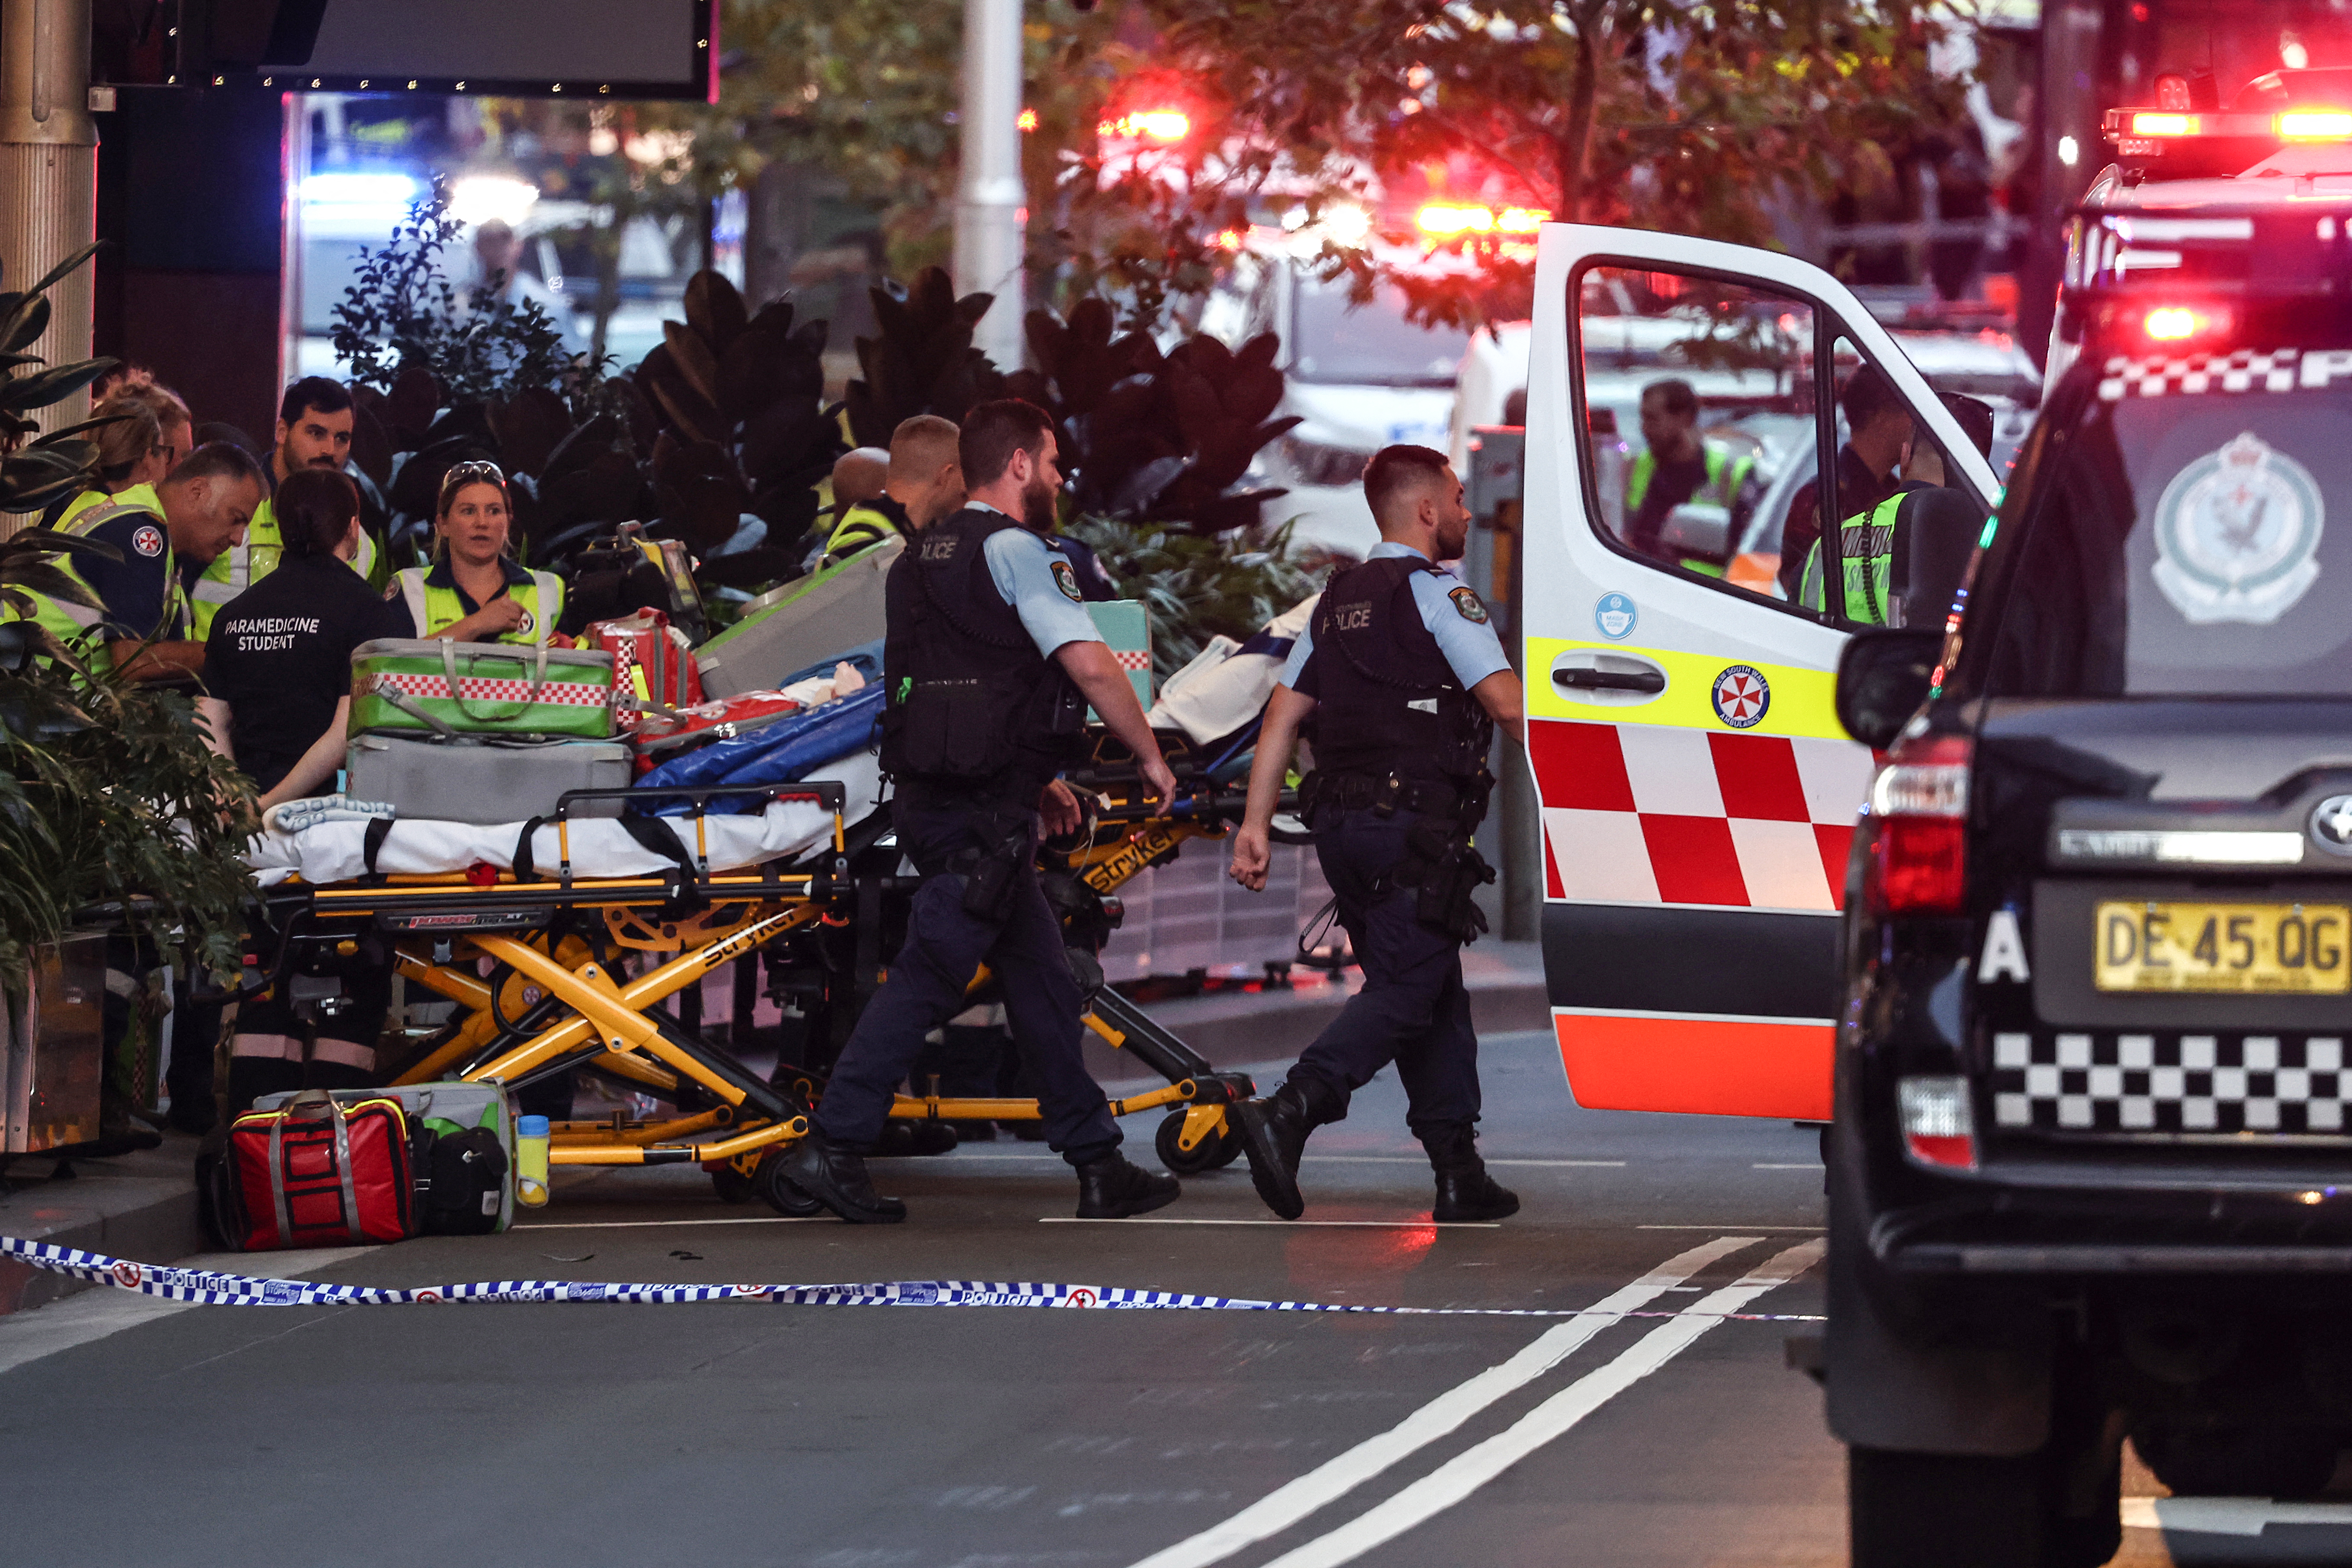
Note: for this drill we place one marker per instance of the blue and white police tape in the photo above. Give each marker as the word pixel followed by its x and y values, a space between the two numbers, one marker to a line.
pixel 213 1288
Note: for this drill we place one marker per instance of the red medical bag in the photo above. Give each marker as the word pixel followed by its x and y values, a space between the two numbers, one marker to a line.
pixel 653 665
pixel 316 1173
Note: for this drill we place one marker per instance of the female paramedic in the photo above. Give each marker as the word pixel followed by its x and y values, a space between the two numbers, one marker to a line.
pixel 473 590
pixel 278 673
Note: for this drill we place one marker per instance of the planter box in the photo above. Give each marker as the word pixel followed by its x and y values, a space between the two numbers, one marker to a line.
pixel 55 1044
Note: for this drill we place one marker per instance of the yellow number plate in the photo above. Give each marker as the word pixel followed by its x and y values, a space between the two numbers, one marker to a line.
pixel 2267 948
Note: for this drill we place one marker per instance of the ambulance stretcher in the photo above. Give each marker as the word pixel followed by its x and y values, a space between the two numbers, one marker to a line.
pixel 578 945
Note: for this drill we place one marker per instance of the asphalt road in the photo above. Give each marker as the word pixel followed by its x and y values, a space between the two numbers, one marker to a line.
pixel 136 1431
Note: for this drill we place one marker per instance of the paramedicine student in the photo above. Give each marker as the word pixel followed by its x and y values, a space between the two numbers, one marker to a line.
pixel 1405 681
pixel 278 674
pixel 990 661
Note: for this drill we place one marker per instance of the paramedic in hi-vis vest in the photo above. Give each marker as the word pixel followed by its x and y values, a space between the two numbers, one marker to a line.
pixel 990 662
pixel 1903 559
pixel 1678 467
pixel 474 592
pixel 1400 680
pixel 314 431
pixel 130 613
pixel 145 434
pixel 923 483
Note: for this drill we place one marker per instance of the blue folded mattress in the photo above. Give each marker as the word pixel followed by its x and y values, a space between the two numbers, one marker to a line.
pixel 781 753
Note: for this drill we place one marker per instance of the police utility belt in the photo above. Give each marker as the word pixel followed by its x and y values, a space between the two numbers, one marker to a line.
pixel 1465 802
pixel 1439 859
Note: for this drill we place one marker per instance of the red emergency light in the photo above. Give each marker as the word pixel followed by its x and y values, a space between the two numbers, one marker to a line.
pixel 2183 323
pixel 1150 125
pixel 2314 125
pixel 1450 220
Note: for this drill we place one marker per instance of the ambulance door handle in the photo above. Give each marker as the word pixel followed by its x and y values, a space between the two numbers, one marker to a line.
pixel 1648 683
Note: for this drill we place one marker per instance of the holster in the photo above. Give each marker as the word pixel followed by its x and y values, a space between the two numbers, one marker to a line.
pixel 992 869
pixel 1440 861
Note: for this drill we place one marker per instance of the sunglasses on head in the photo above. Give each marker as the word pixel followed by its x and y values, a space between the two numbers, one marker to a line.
pixel 475 471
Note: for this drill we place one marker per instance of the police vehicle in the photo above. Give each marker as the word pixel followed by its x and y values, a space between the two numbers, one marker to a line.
pixel 2077 985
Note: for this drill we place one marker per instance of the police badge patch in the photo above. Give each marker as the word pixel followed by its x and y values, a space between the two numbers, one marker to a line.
pixel 1067 582
pixel 1467 601
pixel 2235 534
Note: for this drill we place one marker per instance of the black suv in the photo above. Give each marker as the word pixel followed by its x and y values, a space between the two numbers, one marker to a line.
pixel 2091 1172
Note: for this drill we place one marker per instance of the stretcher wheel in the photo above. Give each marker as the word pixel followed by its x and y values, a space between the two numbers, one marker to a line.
pixel 780 1193
pixel 732 1184
pixel 1213 1153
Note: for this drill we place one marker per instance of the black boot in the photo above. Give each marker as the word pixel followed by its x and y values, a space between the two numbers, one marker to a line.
pixel 1115 1187
pixel 837 1179
pixel 1273 1134
pixel 1465 1190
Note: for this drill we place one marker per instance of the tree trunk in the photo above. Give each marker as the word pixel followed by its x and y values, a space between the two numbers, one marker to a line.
pixel 1576 133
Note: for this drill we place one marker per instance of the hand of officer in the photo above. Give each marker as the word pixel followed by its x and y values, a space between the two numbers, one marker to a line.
pixel 1252 855
pixel 1059 808
pixel 1163 782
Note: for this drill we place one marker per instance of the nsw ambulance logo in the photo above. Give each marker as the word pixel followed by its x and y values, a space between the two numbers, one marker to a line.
pixel 148 539
pixel 1742 696
pixel 2235 534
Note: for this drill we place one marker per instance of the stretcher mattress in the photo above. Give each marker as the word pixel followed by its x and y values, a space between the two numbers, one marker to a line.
pixel 337 851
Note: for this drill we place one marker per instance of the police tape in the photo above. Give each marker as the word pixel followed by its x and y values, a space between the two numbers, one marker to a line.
pixel 212 1288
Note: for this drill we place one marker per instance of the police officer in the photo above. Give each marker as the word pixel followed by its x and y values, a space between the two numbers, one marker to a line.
pixel 277 679
pixel 990 663
pixel 473 590
pixel 1405 680
pixel 1678 467
pixel 137 617
pixel 924 483
pixel 1879 434
pixel 314 431
pixel 1911 548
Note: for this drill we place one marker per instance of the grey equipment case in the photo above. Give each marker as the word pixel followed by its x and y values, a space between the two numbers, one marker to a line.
pixel 486 782
pixel 807 620
pixel 466 1104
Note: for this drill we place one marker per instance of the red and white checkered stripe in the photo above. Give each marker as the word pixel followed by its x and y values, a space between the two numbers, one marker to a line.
pixel 477 689
pixel 1132 658
pixel 1649 814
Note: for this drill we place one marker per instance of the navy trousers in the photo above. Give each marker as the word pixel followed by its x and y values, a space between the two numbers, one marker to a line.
pixel 926 988
pixel 1412 1010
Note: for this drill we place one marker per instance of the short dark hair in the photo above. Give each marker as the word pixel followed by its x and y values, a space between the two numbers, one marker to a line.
pixel 313 394
pixel 1395 470
pixel 992 432
pixel 1975 417
pixel 314 509
pixel 1868 393
pixel 219 460
pixel 1674 396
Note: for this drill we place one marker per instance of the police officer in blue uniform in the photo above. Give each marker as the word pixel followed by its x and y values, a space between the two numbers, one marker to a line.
pixel 990 661
pixel 1402 681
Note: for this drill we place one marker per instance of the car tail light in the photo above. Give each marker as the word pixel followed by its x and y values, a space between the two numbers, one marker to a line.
pixel 2183 323
pixel 1938 1126
pixel 1920 800
pixel 2160 124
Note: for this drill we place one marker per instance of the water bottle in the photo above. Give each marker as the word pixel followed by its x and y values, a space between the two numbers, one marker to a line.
pixel 530 1160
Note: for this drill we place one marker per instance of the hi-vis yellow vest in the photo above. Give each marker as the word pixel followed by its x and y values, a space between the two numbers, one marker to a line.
pixel 436 609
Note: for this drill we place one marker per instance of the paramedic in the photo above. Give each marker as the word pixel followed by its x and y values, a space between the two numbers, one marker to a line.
pixel 990 663
pixel 860 478
pixel 474 592
pixel 1405 681
pixel 1878 432
pixel 314 431
pixel 1911 549
pixel 925 484
pixel 147 433
pixel 195 513
pixel 277 671
pixel 1678 467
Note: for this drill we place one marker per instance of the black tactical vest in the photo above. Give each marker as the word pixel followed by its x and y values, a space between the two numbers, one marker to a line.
pixel 1388 701
pixel 972 705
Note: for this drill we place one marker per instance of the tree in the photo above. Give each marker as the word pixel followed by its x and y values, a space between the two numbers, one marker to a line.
pixel 1699 118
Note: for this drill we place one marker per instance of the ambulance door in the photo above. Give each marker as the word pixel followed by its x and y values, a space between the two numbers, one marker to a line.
pixel 1698 796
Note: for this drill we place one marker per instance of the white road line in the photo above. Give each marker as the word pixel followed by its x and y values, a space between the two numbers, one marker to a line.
pixel 1774 1229
pixel 1456 1478
pixel 1336 1477
pixel 95 1314
pixel 2228 1515
pixel 1296 1224
pixel 1797 1165
pixel 663 1223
